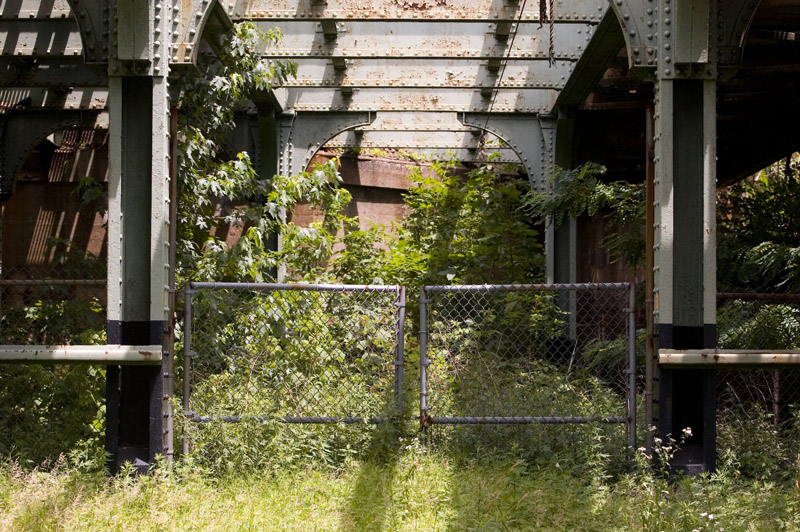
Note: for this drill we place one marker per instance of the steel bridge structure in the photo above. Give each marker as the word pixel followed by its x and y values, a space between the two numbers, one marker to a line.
pixel 692 93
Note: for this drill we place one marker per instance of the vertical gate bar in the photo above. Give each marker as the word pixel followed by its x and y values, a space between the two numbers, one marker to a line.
pixel 400 355
pixel 187 359
pixel 632 364
pixel 423 355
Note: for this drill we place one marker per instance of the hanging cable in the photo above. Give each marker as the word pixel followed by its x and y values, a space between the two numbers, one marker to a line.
pixel 482 140
pixel 551 51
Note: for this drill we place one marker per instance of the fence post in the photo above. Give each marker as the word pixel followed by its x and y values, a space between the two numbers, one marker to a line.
pixel 423 355
pixel 187 359
pixel 632 364
pixel 400 355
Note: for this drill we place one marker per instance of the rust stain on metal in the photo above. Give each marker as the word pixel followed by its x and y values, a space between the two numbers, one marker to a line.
pixel 422 5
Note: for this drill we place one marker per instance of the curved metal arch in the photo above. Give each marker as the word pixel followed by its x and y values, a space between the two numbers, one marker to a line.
pixel 303 134
pixel 92 18
pixel 529 136
pixel 201 18
pixel 737 17
pixel 23 131
pixel 639 23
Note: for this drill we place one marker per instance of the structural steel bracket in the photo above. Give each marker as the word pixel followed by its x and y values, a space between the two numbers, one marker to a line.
pixel 673 39
pixel 302 134
pixel 530 136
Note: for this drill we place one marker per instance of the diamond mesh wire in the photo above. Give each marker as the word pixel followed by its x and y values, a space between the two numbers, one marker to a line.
pixel 506 354
pixel 757 422
pixel 62 302
pixel 47 411
pixel 299 355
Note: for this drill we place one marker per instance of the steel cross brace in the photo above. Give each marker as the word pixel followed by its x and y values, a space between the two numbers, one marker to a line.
pixel 529 135
pixel 302 134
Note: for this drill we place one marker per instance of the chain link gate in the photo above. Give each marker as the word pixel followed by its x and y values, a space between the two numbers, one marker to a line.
pixel 291 353
pixel 522 354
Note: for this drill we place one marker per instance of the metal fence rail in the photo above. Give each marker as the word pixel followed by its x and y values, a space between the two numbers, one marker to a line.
pixel 292 353
pixel 508 354
pixel 757 422
pixel 52 311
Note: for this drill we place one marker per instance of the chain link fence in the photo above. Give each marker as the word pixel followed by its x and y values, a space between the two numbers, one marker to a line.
pixel 535 355
pixel 257 356
pixel 50 410
pixel 757 408
pixel 758 308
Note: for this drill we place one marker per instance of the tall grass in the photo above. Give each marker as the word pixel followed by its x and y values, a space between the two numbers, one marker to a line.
pixel 411 490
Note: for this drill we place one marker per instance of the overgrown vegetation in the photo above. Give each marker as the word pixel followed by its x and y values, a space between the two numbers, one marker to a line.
pixel 464 226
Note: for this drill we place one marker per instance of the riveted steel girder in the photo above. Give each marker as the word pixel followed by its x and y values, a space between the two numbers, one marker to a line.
pixel 416 98
pixel 565 10
pixel 41 38
pixel 424 38
pixel 55 73
pixel 435 135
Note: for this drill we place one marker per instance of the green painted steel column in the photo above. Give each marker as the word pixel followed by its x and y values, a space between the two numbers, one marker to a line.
pixel 138 226
pixel 685 259
pixel 565 235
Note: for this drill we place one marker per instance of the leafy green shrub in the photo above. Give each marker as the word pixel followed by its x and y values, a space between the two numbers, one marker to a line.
pixel 50 410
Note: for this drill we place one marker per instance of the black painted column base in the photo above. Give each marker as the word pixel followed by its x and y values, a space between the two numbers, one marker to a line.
pixel 687 400
pixel 134 420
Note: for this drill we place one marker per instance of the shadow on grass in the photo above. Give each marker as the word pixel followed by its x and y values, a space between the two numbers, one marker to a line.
pixel 370 501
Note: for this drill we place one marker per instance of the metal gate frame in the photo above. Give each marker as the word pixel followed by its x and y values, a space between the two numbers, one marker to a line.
pixel 191 288
pixel 629 419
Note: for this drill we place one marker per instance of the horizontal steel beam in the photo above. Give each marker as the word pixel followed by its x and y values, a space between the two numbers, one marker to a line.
pixel 272 287
pixel 431 73
pixel 412 38
pixel 727 357
pixel 82 354
pixel 34 71
pixel 419 98
pixel 565 10
pixel 25 37
pixel 422 153
pixel 467 138
pixel 473 17
pixel 194 418
pixel 514 420
pixel 35 9
pixel 38 98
